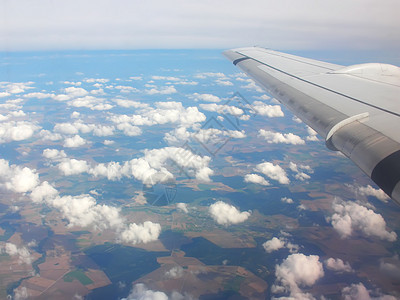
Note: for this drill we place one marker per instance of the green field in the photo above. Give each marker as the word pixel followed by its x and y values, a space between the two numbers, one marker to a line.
pixel 78 275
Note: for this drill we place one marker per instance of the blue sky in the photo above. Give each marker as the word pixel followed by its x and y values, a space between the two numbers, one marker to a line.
pixel 123 24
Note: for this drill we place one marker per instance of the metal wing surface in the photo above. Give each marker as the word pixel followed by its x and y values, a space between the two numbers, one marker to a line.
pixel 355 108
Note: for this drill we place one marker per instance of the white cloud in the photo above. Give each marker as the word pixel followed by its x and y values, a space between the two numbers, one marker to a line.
pixel 175 272
pixel 338 265
pixel 350 216
pixel 278 138
pixel 129 130
pixel 312 134
pixel 263 109
pixel 167 90
pixel 17 179
pixel 279 243
pixel 222 109
pixel 75 115
pixel 223 82
pixel 66 128
pixel 165 78
pixel 206 136
pixel 298 169
pixel 15 87
pixel 204 75
pixel 141 292
pixel 296 271
pixel 39 95
pixel 142 233
pixel 54 154
pixel 24 256
pixel 90 102
pixel 130 103
pixel 207 97
pixel 43 192
pixel 126 89
pixel 21 293
pixel 150 169
pixel 74 142
pixel 75 92
pixel 255 178
pixel 47 135
pixel 226 214
pixel 16 131
pixel 287 200
pixel 370 191
pixel 108 142
pixel 274 172
pixel 79 126
pixel 183 207
pixel 81 210
pixel 73 167
pixel 165 112
pixel 273 244
pixel 360 292
pixel 98 80
pixel 251 85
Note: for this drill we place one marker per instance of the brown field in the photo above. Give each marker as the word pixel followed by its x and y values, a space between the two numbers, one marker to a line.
pixel 197 279
pixel 225 239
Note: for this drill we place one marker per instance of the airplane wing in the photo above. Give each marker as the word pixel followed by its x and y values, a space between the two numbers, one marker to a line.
pixel 355 108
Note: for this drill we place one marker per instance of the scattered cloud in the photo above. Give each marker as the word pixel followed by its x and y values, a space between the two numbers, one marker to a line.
pixel 279 243
pixel 226 214
pixel 222 109
pixel 83 211
pixel 141 292
pixel 223 82
pixel 207 97
pixel 251 85
pixel 21 293
pixel 54 154
pixel 266 110
pixel 183 207
pixel 80 127
pixel 298 169
pixel 16 131
pixel 151 168
pixel 74 142
pixel 73 166
pixel 338 265
pixel 360 292
pixel 280 138
pixel 24 256
pixel 169 112
pixel 90 102
pixel 167 90
pixel 255 178
pixel 130 103
pixel 17 179
pixel 273 172
pixel 287 200
pixel 370 191
pixel 273 244
pixel 47 135
pixel 350 216
pixel 296 271
pixel 175 272
pixel 312 134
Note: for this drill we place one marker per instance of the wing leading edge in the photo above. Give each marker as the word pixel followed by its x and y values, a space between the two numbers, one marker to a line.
pixel 356 108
